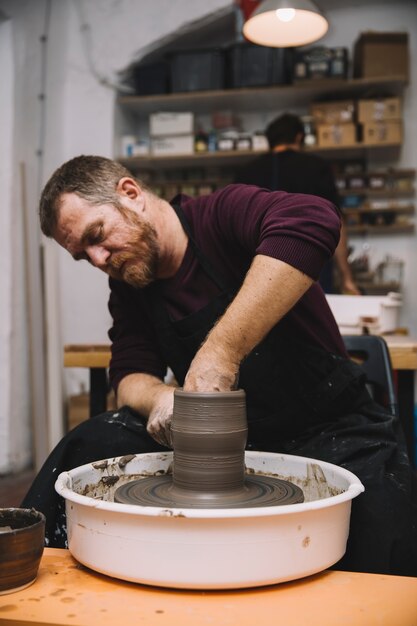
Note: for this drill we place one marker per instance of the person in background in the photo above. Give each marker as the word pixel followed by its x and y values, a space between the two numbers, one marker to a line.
pixel 222 290
pixel 288 168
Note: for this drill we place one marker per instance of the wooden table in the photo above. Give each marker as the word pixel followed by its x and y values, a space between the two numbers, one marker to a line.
pixel 66 593
pixel 96 358
pixel 402 349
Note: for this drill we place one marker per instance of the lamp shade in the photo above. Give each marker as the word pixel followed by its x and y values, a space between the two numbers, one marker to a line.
pixel 285 23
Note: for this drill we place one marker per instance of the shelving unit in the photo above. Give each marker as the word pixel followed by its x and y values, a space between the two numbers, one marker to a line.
pixel 383 210
pixel 133 111
pixel 201 172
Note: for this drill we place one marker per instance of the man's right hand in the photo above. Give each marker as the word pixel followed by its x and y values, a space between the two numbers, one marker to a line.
pixel 153 399
pixel 160 417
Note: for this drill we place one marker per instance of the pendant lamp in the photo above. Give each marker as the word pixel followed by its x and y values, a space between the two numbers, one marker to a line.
pixel 285 23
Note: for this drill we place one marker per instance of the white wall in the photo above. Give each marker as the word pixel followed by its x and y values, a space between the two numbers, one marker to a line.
pixel 13 448
pixel 15 382
pixel 87 40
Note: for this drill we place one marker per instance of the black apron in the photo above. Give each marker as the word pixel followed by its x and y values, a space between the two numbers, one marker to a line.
pixel 300 400
pixel 290 386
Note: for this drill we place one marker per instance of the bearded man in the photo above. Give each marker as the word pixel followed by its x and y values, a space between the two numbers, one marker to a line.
pixel 222 290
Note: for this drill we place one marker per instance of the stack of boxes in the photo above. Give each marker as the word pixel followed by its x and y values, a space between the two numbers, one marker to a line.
pixel 335 123
pixel 347 123
pixel 380 120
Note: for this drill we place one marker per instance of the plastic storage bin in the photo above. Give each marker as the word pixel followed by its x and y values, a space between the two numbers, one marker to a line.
pixel 197 70
pixel 249 65
pixel 151 79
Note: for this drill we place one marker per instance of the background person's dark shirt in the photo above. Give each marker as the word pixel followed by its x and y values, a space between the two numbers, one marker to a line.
pixel 296 172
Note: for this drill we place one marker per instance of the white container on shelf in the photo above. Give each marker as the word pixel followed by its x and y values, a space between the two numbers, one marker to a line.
pixel 127 143
pixel 379 314
pixel 172 145
pixel 162 124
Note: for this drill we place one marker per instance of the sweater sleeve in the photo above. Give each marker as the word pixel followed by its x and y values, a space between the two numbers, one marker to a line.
pixel 134 346
pixel 299 229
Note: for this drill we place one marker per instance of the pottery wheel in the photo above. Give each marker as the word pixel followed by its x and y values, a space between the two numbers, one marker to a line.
pixel 256 491
pixel 209 433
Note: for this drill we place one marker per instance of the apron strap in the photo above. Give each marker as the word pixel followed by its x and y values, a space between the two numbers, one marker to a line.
pixel 205 263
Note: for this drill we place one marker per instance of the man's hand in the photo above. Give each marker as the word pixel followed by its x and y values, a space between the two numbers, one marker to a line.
pixel 153 399
pixel 212 370
pixel 348 287
pixel 160 417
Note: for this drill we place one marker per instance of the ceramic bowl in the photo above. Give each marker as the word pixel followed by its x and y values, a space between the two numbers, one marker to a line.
pixel 22 537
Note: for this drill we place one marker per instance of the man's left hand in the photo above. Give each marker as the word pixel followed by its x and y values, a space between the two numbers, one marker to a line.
pixel 212 370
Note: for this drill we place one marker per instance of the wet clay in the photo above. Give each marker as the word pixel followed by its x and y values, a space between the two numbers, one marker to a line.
pixel 209 432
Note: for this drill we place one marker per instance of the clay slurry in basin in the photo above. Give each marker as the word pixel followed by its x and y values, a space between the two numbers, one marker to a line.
pixel 209 433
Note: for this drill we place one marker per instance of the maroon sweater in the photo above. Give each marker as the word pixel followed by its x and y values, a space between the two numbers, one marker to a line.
pixel 230 227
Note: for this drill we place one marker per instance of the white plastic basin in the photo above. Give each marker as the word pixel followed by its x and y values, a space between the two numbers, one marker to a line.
pixel 208 548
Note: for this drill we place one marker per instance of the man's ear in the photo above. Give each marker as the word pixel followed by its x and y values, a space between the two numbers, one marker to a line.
pixel 128 187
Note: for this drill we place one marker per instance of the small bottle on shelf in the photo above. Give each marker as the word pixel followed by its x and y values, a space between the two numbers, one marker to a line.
pixel 201 141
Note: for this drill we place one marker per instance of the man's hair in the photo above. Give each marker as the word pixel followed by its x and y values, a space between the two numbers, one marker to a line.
pixel 93 178
pixel 284 130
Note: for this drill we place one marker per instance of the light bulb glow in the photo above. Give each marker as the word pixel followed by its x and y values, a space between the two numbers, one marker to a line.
pixel 285 15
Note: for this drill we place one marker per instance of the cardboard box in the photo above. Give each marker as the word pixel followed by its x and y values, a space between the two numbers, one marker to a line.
pixel 338 112
pixel 382 132
pixel 380 109
pixel 378 55
pixel 335 135
pixel 163 124
pixel 172 145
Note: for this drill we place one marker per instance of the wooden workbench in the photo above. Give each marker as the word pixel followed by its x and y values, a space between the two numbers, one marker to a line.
pixel 402 349
pixel 66 593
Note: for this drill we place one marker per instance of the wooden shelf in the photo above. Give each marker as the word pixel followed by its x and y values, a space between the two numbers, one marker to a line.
pixel 365 229
pixel 387 173
pixel 403 210
pixel 230 158
pixel 377 289
pixel 197 159
pixel 392 286
pixel 377 193
pixel 252 99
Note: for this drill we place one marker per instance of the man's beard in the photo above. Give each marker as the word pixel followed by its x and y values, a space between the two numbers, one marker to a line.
pixel 139 266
